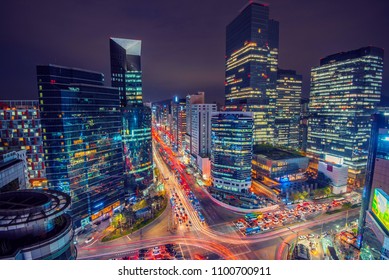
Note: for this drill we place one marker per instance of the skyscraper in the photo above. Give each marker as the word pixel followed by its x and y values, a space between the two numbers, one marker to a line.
pixel 251 67
pixel 289 86
pixel 81 139
pixel 201 115
pixel 345 90
pixel 232 150
pixel 178 110
pixel 126 71
pixel 197 98
pixel 137 143
pixel 373 229
pixel 20 129
pixel 126 76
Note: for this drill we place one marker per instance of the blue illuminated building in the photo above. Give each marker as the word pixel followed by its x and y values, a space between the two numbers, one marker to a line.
pixel 81 139
pixel 231 150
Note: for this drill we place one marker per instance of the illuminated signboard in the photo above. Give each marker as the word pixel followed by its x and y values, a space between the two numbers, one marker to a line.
pixel 380 207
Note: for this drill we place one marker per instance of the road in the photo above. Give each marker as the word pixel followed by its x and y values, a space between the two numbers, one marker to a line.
pixel 217 235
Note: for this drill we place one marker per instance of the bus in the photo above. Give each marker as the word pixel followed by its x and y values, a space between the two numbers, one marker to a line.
pixel 201 217
pixel 250 217
pixel 252 230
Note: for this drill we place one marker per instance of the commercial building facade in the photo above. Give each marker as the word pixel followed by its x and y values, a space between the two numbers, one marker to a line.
pixel 137 146
pixel 81 125
pixel 13 171
pixel 178 125
pixel 345 90
pixel 20 129
pixel 126 71
pixel 126 76
pixel 232 150
pixel 251 67
pixel 288 108
pixel 191 99
pixel 34 226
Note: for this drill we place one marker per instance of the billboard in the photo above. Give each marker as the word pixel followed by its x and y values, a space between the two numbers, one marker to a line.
pixel 380 207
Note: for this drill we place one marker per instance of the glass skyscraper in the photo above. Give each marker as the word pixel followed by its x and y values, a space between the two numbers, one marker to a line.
pixel 126 75
pixel 126 71
pixel 288 108
pixel 373 230
pixel 345 90
pixel 178 108
pixel 137 143
pixel 251 68
pixel 81 139
pixel 231 150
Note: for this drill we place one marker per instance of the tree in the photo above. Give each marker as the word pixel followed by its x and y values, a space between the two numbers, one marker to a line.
pixel 295 196
pixel 304 195
pixel 327 191
pixel 118 221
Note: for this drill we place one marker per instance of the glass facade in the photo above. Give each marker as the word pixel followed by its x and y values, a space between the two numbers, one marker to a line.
pixel 20 129
pixel 81 139
pixel 137 143
pixel 289 86
pixel 126 71
pixel 345 90
pixel 251 68
pixel 178 106
pixel 232 150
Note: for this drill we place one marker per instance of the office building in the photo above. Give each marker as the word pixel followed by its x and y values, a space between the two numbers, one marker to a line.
pixel 81 127
pixel 232 150
pixel 201 115
pixel 251 67
pixel 288 108
pixel 126 71
pixel 337 173
pixel 13 171
pixel 178 124
pixel 373 228
pixel 191 99
pixel 279 165
pixel 34 225
pixel 303 123
pixel 126 76
pixel 345 90
pixel 137 147
pixel 20 129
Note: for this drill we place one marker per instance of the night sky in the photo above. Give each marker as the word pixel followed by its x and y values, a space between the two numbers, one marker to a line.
pixel 183 42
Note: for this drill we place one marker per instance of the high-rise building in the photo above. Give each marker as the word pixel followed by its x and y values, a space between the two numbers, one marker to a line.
pixel 197 98
pixel 34 225
pixel 126 75
pixel 20 129
pixel 345 90
pixel 126 71
pixel 178 125
pixel 373 229
pixel 13 171
pixel 82 143
pixel 201 115
pixel 251 67
pixel 288 108
pixel 303 123
pixel 232 150
pixel 137 146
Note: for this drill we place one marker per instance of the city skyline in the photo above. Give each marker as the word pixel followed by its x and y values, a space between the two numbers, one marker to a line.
pixel 195 60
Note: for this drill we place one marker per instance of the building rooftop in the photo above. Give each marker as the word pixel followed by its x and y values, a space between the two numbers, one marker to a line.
pixel 274 153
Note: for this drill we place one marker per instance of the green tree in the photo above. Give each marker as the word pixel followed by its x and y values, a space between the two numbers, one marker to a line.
pixel 327 191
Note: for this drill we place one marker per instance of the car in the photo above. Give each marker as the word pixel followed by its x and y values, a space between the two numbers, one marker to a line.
pixel 265 228
pixel 89 240
pixel 302 237
pixel 311 235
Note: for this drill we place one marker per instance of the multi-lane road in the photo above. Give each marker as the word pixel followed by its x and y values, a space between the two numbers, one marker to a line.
pixel 217 235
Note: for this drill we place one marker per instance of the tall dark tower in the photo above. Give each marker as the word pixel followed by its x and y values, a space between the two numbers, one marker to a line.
pixel 126 71
pixel 126 75
pixel 251 67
